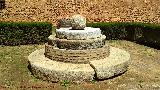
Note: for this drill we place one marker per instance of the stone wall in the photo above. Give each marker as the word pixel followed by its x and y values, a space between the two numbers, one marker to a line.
pixel 94 10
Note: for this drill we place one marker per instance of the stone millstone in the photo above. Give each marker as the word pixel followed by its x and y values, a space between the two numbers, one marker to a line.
pixel 77 44
pixel 78 22
pixel 54 71
pixel 51 70
pixel 64 23
pixel 87 33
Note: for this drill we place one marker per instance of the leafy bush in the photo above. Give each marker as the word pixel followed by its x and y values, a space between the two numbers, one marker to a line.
pixel 16 33
pixel 139 32
pixel 111 30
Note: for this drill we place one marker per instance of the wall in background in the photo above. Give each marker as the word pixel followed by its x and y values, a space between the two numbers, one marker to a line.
pixel 93 10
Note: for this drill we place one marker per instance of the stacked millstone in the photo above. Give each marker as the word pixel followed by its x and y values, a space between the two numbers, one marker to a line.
pixel 77 46
pixel 77 54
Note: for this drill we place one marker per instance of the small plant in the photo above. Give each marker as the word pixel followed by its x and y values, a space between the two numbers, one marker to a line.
pixel 65 83
pixel 94 81
pixel 140 83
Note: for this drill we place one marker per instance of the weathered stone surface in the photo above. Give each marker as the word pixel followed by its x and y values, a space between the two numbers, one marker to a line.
pixel 77 44
pixel 115 64
pixel 51 70
pixel 54 71
pixel 78 22
pixel 87 33
pixel 76 56
pixel 64 23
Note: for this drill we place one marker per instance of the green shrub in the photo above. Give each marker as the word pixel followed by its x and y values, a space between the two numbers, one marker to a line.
pixel 139 32
pixel 16 33
pixel 111 30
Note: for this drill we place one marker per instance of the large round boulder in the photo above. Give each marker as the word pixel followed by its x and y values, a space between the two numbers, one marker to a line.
pixel 78 22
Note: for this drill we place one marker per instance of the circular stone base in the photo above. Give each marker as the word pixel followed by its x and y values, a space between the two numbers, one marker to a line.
pixel 54 71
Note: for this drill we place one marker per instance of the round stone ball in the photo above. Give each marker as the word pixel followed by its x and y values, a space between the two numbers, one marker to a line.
pixel 78 22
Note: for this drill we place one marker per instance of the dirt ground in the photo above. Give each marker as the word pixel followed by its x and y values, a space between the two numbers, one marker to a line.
pixel 143 72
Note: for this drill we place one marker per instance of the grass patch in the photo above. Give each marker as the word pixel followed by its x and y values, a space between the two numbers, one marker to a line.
pixel 15 74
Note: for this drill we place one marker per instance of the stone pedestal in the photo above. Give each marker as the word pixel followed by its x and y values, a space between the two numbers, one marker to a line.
pixel 78 56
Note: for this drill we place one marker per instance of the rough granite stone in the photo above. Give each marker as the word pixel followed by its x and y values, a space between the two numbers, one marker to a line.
pixel 115 64
pixel 64 23
pixel 78 22
pixel 87 33
pixel 77 44
pixel 54 71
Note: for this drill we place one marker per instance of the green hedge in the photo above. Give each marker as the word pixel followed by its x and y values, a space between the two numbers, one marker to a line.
pixel 16 33
pixel 139 32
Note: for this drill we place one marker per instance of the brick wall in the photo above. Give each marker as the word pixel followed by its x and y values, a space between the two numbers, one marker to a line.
pixel 93 10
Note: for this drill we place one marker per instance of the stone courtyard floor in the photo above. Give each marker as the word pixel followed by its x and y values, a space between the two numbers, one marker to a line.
pixel 143 73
